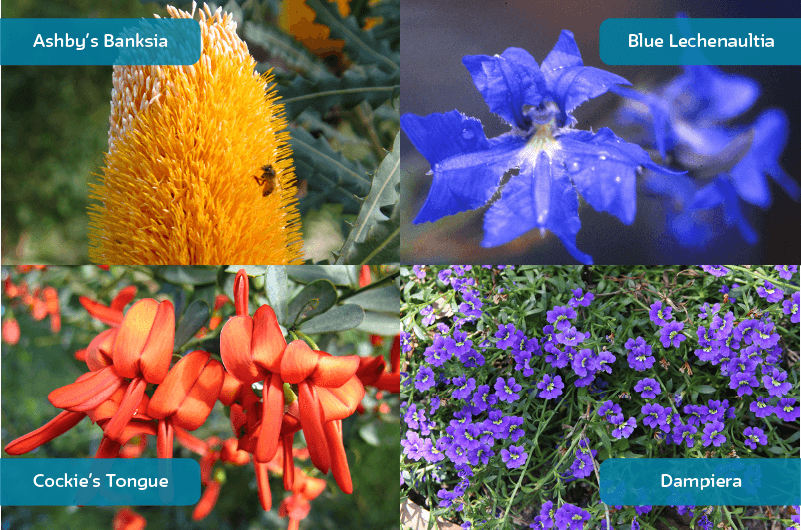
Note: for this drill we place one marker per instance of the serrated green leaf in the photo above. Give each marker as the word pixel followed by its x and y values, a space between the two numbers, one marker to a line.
pixel 339 318
pixel 360 45
pixel 275 286
pixel 375 223
pixel 317 297
pixel 284 51
pixel 194 318
pixel 325 91
pixel 327 172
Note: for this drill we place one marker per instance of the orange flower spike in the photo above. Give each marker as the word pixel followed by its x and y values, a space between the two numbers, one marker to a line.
pixel 52 429
pixel 186 396
pixel 113 313
pixel 142 351
pixel 88 391
pixel 365 278
pixel 127 519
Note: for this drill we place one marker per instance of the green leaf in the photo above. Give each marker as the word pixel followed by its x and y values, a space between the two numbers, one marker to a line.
pixel 328 173
pixel 369 432
pixel 361 46
pixel 317 297
pixel 195 317
pixel 284 51
pixel 382 300
pixel 250 270
pixel 275 286
pixel 705 389
pixel 324 91
pixel 381 324
pixel 338 274
pixel 340 318
pixel 200 275
pixel 377 228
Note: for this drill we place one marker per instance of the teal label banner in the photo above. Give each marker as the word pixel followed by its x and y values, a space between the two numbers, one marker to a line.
pixel 698 41
pixel 701 481
pixel 99 41
pixel 99 481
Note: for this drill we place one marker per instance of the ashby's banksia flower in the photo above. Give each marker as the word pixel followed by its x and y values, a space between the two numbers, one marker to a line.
pixel 188 146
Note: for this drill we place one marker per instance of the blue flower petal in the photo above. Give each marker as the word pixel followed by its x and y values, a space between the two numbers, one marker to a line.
pixel 440 136
pixel 569 81
pixel 507 82
pixel 538 197
pixel 604 169
pixel 467 180
pixel 715 95
pixel 771 132
pixel 722 192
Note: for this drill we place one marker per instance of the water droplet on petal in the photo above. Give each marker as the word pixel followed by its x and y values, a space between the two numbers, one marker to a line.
pixel 573 167
pixel 467 134
pixel 617 179
pixel 602 157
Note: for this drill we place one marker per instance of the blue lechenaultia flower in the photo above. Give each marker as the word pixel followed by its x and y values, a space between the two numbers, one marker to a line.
pixel 687 121
pixel 550 163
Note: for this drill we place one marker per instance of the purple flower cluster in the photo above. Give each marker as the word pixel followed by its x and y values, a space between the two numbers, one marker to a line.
pixel 640 357
pixel 567 517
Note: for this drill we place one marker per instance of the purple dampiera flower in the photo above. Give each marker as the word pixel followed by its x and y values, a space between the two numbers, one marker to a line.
pixel 659 315
pixel 514 457
pixel 769 292
pixel 560 317
pixel 656 416
pixel 507 390
pixel 671 334
pixel 648 388
pixel 684 433
pixel 713 434
pixel 640 357
pixel 786 271
pixel 580 298
pixel 754 436
pixel 715 270
pixel 624 430
pixel 550 387
pixel 787 409
pixel 791 307
pixel 610 410
pixel 569 517
pixel 776 382
pixel 506 335
pixel 762 407
pixel 465 388
pixel 424 379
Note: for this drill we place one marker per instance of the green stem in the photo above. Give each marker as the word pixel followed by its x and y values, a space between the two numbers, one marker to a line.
pixel 380 283
pixel 517 486
pixel 307 339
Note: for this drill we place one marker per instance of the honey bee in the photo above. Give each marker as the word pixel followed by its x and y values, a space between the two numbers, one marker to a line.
pixel 268 180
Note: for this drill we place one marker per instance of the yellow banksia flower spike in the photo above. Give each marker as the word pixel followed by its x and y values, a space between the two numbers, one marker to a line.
pixel 199 168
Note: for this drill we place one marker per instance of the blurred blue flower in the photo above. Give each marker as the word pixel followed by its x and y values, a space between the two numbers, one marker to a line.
pixel 549 162
pixel 687 122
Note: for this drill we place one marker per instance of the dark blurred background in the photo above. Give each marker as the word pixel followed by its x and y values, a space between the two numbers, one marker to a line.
pixel 54 133
pixel 436 34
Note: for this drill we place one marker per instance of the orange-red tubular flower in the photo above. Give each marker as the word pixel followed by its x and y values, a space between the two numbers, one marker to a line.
pixel 142 352
pixel 55 427
pixel 207 501
pixel 297 505
pixel 251 349
pixel 185 397
pixel 11 332
pixel 111 314
pixel 328 390
pixel 127 519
